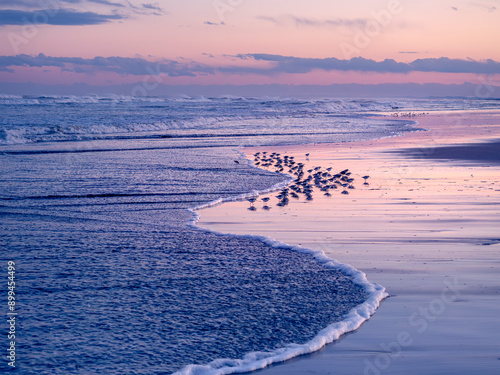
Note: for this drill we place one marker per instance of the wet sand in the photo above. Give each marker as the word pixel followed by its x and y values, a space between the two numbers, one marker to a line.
pixel 427 227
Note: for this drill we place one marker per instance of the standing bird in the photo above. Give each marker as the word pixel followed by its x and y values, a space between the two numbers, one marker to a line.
pixel 265 206
pixel 252 201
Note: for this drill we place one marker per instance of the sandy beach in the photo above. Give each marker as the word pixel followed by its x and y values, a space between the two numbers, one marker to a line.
pixel 426 227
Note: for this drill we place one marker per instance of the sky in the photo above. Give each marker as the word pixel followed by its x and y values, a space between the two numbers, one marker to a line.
pixel 242 42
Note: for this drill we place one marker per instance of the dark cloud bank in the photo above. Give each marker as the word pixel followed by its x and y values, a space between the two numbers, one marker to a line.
pixel 55 12
pixel 279 65
pixel 121 65
pixel 62 17
pixel 290 64
pixel 487 88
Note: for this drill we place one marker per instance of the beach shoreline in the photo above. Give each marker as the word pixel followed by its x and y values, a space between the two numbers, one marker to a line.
pixel 425 228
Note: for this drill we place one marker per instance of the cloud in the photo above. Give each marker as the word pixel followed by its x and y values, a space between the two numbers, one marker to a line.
pixel 338 22
pixel 37 4
pixel 61 17
pixel 447 65
pixel 154 6
pixel 311 22
pixel 18 3
pixel 147 9
pixel 214 23
pixel 121 65
pixel 106 2
pixel 290 64
pixel 81 6
pixel 269 19
pixel 274 65
pixel 488 6
pixel 455 9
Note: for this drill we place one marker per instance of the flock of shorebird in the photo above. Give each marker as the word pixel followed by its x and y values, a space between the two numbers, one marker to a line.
pixel 306 181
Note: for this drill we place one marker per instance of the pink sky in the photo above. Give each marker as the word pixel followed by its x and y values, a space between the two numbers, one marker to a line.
pixel 190 30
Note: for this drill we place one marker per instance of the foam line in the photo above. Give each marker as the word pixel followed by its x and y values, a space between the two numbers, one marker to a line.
pixel 253 193
pixel 259 360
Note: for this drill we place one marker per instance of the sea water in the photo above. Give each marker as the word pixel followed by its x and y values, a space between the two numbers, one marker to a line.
pixel 96 206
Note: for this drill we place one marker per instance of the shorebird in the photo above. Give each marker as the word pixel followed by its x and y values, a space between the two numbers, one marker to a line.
pixel 309 180
pixel 252 201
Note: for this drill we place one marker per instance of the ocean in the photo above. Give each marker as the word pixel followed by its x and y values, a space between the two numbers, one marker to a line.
pixel 98 199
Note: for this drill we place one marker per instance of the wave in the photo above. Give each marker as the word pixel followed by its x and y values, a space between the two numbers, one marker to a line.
pixel 259 360
pixel 13 136
pixel 17 136
pixel 196 129
pixel 77 151
pixel 93 117
pixel 354 319
pixel 102 195
pixel 24 135
pixel 343 104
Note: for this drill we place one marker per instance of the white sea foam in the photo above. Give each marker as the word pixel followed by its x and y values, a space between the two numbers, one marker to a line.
pixel 344 105
pixel 170 115
pixel 13 136
pixel 259 360
pixel 32 134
